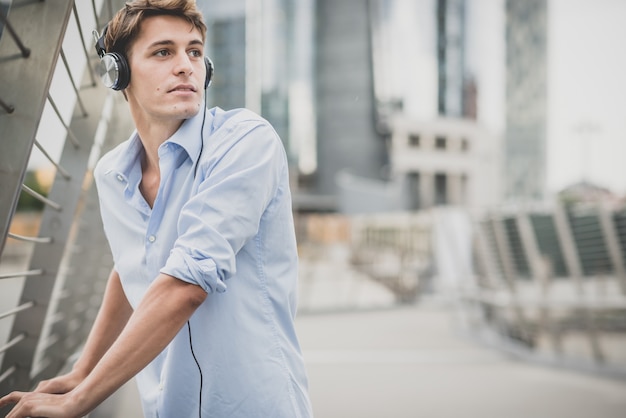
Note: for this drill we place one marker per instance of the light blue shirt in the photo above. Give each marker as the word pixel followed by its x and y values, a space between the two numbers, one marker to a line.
pixel 228 228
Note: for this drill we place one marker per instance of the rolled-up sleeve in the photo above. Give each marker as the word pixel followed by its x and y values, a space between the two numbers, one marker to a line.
pixel 237 181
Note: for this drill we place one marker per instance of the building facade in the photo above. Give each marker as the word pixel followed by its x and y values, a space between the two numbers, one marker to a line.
pixel 445 161
pixel 263 57
pixel 526 99
pixel 346 131
pixel 331 75
pixel 451 57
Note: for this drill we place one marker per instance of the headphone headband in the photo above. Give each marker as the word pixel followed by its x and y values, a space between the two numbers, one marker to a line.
pixel 100 49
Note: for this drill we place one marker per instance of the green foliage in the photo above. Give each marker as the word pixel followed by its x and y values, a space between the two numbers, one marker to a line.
pixel 28 202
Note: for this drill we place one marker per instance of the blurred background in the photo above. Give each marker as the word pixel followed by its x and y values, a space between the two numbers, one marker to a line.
pixel 457 180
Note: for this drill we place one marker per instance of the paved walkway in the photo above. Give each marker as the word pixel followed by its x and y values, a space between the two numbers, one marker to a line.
pixel 409 362
pixel 368 358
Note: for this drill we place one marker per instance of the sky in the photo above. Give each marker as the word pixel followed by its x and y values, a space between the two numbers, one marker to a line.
pixel 587 93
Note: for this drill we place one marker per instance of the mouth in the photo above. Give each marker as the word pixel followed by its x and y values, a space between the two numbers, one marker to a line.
pixel 183 88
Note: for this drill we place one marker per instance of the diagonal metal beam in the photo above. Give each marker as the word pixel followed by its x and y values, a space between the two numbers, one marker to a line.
pixel 24 85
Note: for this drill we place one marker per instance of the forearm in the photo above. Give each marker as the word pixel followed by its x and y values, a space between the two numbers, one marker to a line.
pixel 112 317
pixel 165 308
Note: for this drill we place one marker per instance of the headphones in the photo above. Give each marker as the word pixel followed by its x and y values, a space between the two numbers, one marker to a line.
pixel 114 70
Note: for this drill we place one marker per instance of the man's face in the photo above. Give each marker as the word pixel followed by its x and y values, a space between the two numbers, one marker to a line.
pixel 167 70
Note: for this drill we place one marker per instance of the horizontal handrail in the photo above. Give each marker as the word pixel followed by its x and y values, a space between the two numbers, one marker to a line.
pixel 70 134
pixel 25 51
pixel 57 318
pixel 7 373
pixel 37 272
pixel 8 108
pixel 60 169
pixel 505 299
pixel 95 13
pixel 73 82
pixel 37 240
pixel 41 198
pixel 16 340
pixel 50 341
pixel 82 40
pixel 22 307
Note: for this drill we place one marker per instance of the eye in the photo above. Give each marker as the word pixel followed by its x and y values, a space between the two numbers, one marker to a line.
pixel 161 53
pixel 195 53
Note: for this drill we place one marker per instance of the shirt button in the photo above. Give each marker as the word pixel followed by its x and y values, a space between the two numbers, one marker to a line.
pixel 120 177
pixel 160 386
pixel 151 238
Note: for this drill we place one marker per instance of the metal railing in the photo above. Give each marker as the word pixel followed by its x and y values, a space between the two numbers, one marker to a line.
pixel 551 286
pixel 548 285
pixel 394 250
pixel 51 107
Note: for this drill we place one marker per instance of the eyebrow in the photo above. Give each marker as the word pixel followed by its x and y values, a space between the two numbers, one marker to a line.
pixel 168 42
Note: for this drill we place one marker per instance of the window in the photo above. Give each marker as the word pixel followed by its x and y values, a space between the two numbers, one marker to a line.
pixel 464 145
pixel 440 142
pixel 441 189
pixel 413 186
pixel 414 140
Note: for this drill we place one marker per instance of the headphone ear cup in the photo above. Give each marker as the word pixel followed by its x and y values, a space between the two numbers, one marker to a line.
pixel 123 72
pixel 209 72
pixel 114 71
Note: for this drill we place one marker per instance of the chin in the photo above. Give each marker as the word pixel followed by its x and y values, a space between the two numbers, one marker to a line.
pixel 187 111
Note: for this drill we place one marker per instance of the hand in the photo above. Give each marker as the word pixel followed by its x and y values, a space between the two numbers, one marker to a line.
pixel 61 384
pixel 33 404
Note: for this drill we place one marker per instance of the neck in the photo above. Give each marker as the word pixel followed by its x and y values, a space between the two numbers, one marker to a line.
pixel 152 134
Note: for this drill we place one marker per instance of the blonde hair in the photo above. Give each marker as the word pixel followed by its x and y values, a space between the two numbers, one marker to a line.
pixel 124 27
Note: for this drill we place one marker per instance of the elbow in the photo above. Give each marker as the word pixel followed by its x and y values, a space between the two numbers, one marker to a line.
pixel 180 293
pixel 195 296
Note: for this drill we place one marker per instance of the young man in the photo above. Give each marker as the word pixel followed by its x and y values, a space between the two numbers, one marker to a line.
pixel 196 208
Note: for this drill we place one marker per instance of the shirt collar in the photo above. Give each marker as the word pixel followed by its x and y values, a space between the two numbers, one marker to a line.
pixel 128 157
pixel 187 137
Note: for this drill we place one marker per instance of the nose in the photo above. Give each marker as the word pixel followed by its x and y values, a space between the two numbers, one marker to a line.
pixel 183 64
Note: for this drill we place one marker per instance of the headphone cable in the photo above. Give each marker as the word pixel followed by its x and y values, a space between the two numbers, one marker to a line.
pixel 199 370
pixel 195 170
